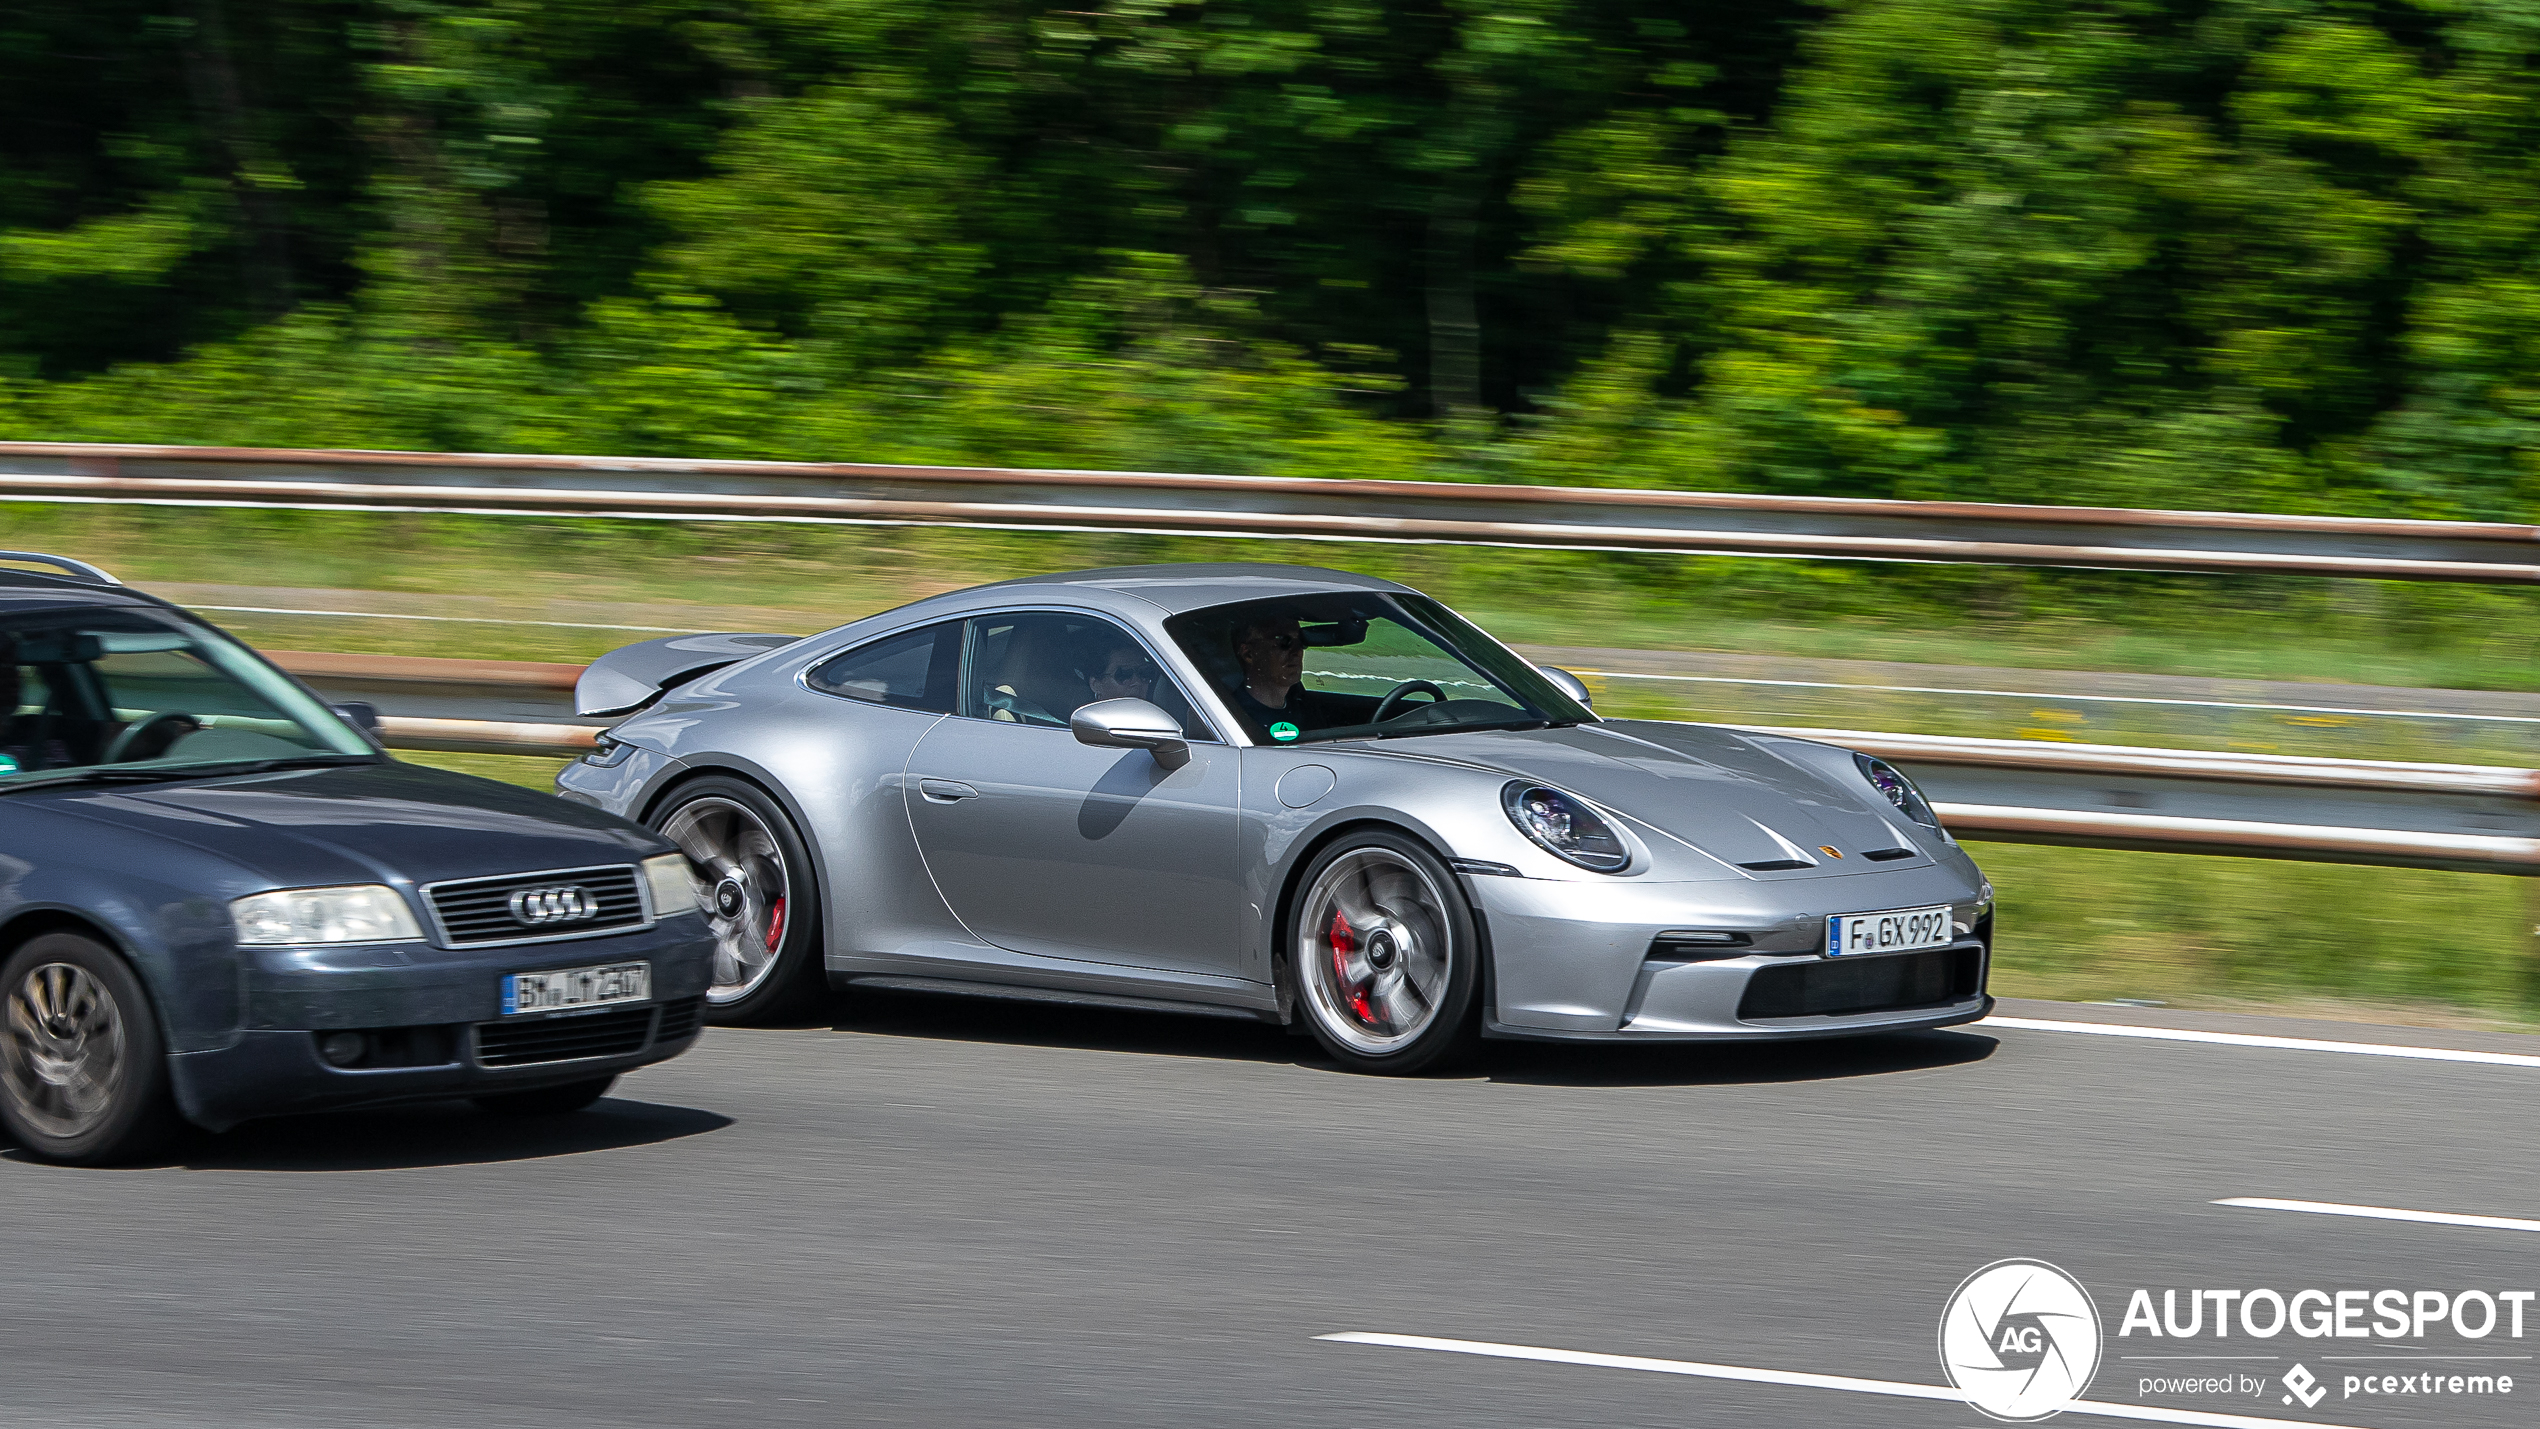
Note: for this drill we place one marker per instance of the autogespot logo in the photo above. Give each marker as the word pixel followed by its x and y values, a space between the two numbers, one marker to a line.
pixel 2020 1339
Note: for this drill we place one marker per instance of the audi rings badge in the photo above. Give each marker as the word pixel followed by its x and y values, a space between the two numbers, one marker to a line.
pixel 545 907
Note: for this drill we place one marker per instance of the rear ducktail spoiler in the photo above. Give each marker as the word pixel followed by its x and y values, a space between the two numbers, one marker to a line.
pixel 625 680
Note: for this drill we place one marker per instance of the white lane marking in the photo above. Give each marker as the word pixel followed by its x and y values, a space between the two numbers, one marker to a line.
pixel 2380 1213
pixel 2281 1044
pixel 1896 1388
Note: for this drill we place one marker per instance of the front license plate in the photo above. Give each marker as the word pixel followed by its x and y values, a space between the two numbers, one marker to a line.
pixel 1850 935
pixel 570 988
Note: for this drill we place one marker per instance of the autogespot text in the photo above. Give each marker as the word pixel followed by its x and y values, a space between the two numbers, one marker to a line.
pixel 2329 1314
pixel 2451 1319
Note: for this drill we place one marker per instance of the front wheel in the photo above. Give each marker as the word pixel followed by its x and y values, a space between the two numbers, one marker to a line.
pixel 1387 956
pixel 83 1068
pixel 753 881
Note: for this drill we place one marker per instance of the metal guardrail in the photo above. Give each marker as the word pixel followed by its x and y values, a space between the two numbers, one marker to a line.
pixel 1415 512
pixel 2474 818
pixel 2469 817
pixel 487 736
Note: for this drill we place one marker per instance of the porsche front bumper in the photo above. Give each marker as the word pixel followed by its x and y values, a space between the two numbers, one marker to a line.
pixel 1576 960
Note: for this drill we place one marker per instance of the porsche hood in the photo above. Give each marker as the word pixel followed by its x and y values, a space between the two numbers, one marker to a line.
pixel 1735 798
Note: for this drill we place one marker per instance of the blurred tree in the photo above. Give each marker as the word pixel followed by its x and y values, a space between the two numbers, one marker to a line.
pixel 2268 253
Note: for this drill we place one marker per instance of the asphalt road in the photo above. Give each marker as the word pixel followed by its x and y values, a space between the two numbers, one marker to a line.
pixel 949 1212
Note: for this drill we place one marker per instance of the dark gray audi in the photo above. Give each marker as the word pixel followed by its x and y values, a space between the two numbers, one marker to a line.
pixel 219 899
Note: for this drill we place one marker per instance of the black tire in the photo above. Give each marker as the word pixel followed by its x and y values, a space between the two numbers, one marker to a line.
pixel 794 983
pixel 1417 919
pixel 547 1101
pixel 83 1064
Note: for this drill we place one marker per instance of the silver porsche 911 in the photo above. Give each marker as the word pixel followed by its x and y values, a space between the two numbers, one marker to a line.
pixel 1273 792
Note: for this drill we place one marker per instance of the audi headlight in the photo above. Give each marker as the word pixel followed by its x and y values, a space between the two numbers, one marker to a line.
pixel 1565 828
pixel 1899 790
pixel 673 887
pixel 366 913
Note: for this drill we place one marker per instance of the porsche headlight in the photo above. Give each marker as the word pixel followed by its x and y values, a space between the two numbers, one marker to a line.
pixel 364 913
pixel 1565 828
pixel 673 887
pixel 1899 790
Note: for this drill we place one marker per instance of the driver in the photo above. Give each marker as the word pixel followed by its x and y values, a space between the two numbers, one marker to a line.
pixel 1271 652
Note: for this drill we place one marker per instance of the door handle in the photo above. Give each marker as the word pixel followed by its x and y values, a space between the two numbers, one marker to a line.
pixel 945 791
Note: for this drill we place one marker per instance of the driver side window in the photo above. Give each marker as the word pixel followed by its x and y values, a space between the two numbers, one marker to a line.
pixel 1040 667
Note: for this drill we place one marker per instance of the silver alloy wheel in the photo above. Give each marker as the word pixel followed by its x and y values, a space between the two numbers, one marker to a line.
pixel 742 886
pixel 62 1049
pixel 1374 946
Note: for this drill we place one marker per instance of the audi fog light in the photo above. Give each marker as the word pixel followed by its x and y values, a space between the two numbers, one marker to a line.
pixel 1566 828
pixel 673 887
pixel 343 1048
pixel 1900 791
pixel 366 913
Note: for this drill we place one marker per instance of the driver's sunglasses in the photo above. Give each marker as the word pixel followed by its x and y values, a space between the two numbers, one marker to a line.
pixel 1127 674
pixel 1281 641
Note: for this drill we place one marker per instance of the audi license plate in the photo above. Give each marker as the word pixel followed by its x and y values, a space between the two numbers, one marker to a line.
pixel 570 988
pixel 1902 931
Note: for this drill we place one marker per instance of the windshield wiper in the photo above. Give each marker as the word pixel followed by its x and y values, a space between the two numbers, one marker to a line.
pixel 282 761
pixel 93 774
pixel 163 773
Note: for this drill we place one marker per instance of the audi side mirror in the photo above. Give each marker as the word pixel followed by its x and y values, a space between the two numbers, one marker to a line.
pixel 1131 724
pixel 361 715
pixel 1570 684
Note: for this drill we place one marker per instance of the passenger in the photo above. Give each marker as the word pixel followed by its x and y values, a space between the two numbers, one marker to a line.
pixel 1120 672
pixel 1272 654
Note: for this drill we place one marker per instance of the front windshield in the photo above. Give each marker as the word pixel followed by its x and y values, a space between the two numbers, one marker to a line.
pixel 1302 669
pixel 88 689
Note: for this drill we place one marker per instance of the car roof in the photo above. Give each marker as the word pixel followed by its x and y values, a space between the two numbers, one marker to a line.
pixel 24 591
pixel 1197 585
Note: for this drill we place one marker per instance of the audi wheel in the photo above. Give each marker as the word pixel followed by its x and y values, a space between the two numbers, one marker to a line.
pixel 83 1068
pixel 753 881
pixel 1387 956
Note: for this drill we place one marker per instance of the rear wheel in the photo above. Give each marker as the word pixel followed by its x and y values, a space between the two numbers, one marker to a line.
pixel 753 880
pixel 83 1067
pixel 547 1101
pixel 1387 955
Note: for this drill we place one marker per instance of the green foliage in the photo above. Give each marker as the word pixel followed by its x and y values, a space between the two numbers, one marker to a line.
pixel 2267 254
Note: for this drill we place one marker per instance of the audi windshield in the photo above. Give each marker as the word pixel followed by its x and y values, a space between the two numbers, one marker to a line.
pixel 123 693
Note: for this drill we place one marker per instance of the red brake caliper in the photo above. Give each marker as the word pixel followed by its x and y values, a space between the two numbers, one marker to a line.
pixel 775 924
pixel 1344 940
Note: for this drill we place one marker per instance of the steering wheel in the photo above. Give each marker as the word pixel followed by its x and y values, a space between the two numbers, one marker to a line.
pixel 1385 707
pixel 149 738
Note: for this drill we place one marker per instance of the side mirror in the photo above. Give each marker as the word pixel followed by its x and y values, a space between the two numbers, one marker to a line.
pixel 1570 684
pixel 361 715
pixel 1131 724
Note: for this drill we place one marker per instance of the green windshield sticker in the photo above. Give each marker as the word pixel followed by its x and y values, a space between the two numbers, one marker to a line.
pixel 1283 731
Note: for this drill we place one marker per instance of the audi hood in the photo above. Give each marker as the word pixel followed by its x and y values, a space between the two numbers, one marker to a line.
pixel 377 823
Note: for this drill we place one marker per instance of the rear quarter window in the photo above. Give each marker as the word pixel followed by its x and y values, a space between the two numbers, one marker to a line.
pixel 913 670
